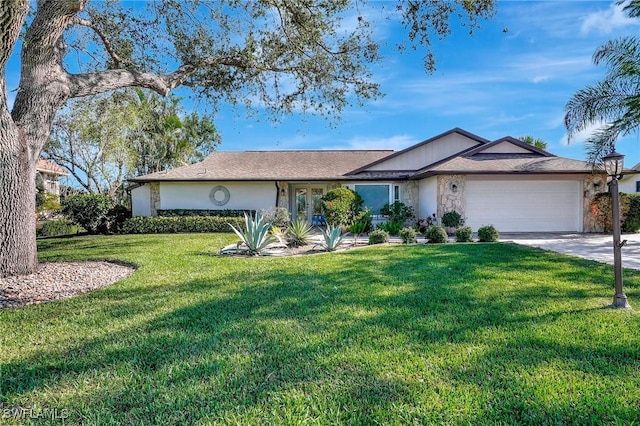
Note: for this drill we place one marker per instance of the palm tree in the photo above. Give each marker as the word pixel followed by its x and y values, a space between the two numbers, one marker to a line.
pixel 537 142
pixel 613 103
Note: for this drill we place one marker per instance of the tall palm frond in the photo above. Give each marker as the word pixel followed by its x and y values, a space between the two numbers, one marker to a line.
pixel 613 103
pixel 632 9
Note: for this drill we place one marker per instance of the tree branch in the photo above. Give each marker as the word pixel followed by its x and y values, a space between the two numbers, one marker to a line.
pixel 104 81
pixel 117 60
pixel 12 15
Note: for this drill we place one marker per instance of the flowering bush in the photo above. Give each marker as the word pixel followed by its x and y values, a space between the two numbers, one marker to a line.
pixel 341 206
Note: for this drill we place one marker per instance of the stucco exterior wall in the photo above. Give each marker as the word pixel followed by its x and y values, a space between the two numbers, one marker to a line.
pixel 428 197
pixel 141 201
pixel 196 195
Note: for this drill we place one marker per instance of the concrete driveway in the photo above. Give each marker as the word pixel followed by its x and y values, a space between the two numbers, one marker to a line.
pixel 589 246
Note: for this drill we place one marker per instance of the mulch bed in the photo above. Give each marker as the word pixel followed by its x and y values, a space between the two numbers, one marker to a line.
pixel 59 280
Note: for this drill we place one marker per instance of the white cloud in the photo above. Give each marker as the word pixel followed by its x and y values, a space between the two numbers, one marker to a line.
pixel 581 137
pixel 606 21
pixel 540 79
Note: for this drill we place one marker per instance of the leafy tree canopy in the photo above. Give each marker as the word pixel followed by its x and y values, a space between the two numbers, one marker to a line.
pixel 537 142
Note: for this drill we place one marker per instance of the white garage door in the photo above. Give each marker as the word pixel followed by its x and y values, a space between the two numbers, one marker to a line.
pixel 524 206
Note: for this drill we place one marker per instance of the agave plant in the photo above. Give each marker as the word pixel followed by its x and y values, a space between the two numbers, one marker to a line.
pixel 298 233
pixel 332 238
pixel 256 235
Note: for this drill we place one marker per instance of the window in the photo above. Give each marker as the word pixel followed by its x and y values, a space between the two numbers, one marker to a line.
pixel 396 193
pixel 374 196
pixel 638 186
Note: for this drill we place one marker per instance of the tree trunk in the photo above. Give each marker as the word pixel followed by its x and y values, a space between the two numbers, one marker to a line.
pixel 17 202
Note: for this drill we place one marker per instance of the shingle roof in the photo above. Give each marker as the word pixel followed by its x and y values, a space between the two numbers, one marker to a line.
pixel 503 163
pixel 48 167
pixel 270 165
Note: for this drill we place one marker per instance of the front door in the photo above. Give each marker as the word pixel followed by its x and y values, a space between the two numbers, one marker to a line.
pixel 307 202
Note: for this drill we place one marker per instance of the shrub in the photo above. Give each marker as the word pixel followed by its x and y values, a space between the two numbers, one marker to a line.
pixel 279 216
pixel 356 229
pixel 398 212
pixel 393 228
pixel 175 224
pixel 488 234
pixel 298 233
pixel 464 234
pixel 436 234
pixel 601 209
pixel 378 236
pixel 408 236
pixel 116 216
pixel 340 206
pixel 363 220
pixel 631 222
pixel 332 237
pixel 194 212
pixel 425 223
pixel 48 202
pixel 91 211
pixel 452 219
pixel 57 227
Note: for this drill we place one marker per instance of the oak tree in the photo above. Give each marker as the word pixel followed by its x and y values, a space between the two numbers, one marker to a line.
pixel 310 55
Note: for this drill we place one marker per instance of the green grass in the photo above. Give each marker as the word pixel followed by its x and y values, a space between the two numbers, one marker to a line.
pixel 456 333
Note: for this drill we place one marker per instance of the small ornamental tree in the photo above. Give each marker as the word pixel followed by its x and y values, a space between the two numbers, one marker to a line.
pixel 341 206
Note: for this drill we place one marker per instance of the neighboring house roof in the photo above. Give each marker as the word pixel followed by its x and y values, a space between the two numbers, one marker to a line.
pixel 270 165
pixel 48 167
pixel 472 155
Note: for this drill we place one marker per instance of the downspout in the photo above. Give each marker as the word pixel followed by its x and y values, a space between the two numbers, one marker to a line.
pixel 277 194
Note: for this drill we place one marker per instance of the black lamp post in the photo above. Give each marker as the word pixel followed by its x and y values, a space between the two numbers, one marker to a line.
pixel 613 164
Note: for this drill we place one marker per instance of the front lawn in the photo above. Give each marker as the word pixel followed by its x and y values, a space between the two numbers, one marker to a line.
pixel 456 333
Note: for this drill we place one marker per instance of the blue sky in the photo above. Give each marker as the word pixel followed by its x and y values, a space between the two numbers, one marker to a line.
pixel 494 84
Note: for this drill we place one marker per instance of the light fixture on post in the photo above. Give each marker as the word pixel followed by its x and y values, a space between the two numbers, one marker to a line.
pixel 613 164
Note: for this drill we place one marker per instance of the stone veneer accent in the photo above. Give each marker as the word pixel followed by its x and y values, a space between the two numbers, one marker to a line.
pixel 448 199
pixel 283 199
pixel 592 185
pixel 409 194
pixel 154 191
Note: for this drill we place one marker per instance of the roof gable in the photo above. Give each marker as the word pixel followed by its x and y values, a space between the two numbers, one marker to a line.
pixel 430 151
pixel 509 146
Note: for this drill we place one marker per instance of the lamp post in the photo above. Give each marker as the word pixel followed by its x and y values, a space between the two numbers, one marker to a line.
pixel 613 164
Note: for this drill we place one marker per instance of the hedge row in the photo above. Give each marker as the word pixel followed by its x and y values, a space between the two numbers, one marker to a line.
pixel 632 221
pixel 629 211
pixel 174 224
pixel 217 213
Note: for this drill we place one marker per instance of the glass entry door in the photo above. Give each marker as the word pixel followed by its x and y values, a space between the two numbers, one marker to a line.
pixel 307 200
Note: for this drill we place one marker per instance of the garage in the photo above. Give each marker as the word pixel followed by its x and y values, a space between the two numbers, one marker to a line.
pixel 516 205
